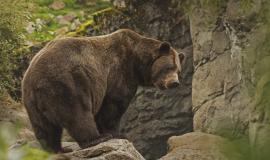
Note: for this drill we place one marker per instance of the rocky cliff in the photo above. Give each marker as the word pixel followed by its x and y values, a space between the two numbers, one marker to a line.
pixel 220 107
pixel 231 61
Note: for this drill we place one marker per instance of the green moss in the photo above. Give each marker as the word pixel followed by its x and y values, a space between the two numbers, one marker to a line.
pixel 42 9
pixel 72 34
pixel 109 9
pixel 84 25
pixel 34 154
pixel 81 30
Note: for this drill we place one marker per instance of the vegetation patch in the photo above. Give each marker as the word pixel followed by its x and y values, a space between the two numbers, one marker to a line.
pixel 48 23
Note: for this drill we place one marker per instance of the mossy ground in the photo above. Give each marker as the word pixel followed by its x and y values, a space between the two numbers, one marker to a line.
pixel 45 13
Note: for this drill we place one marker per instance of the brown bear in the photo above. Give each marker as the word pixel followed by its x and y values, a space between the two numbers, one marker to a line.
pixel 85 84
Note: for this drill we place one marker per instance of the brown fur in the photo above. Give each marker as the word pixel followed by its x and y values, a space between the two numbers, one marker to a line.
pixel 85 84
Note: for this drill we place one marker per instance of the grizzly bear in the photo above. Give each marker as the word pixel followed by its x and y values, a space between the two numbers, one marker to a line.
pixel 85 84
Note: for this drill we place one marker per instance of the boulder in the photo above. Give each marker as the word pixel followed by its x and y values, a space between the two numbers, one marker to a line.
pixel 196 146
pixel 115 149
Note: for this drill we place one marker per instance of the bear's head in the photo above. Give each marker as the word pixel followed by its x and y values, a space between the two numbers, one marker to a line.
pixel 166 67
pixel 161 64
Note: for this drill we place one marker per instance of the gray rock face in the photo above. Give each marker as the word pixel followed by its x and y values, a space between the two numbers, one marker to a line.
pixel 154 18
pixel 220 107
pixel 153 116
pixel 228 66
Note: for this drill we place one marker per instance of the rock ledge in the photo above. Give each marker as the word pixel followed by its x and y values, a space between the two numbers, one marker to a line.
pixel 115 149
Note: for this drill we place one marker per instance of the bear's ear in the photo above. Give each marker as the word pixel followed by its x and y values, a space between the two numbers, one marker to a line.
pixel 164 48
pixel 181 57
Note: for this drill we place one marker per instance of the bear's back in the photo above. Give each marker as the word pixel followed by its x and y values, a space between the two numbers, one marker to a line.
pixel 61 55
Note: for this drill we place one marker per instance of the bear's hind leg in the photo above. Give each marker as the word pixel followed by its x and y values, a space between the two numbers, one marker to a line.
pixel 48 134
pixel 83 129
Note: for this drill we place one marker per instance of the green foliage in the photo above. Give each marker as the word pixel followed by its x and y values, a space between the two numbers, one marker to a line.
pixel 257 64
pixel 6 138
pixel 34 154
pixel 45 13
pixel 238 149
pixel 13 15
pixel 81 30
pixel 211 5
pixel 25 152
pixel 242 149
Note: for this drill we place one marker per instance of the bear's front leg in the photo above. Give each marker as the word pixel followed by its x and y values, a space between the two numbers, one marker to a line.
pixel 108 119
pixel 83 129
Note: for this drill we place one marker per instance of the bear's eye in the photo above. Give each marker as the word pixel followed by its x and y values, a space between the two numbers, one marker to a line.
pixel 168 69
pixel 163 71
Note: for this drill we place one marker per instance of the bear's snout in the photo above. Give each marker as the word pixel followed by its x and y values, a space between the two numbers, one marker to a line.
pixel 172 81
pixel 168 82
pixel 173 84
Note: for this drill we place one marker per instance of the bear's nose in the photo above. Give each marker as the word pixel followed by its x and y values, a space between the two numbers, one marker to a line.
pixel 173 84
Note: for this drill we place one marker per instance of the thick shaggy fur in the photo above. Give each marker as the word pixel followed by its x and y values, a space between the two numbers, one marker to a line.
pixel 85 84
